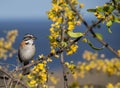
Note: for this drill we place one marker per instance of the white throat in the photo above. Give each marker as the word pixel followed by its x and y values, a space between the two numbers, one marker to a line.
pixel 30 42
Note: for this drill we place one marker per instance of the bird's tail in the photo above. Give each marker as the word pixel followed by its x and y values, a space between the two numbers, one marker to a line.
pixel 26 70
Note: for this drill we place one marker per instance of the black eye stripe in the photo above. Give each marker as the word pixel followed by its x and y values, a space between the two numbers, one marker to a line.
pixel 26 39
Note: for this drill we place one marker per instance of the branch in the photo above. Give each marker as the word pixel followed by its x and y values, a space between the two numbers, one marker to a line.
pixel 105 44
pixel 9 76
pixel 88 29
pixel 75 10
pixel 114 2
pixel 62 54
pixel 91 28
pixel 60 50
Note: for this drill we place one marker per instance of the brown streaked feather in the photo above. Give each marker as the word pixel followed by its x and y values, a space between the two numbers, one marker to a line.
pixel 23 43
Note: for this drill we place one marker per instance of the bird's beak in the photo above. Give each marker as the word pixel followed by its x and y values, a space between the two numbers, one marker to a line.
pixel 34 38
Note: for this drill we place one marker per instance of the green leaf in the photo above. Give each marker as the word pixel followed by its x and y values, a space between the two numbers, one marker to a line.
pixel 109 23
pixel 108 8
pixel 100 9
pixel 74 35
pixel 111 8
pixel 117 20
pixel 109 30
pixel 93 47
pixel 63 44
pixel 84 40
pixel 99 36
pixel 91 10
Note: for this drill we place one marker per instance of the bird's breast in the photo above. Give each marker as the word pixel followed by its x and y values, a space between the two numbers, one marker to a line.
pixel 27 52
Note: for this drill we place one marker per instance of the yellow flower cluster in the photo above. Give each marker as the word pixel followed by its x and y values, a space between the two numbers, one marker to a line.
pixel 6 44
pixel 63 18
pixel 53 37
pixel 104 12
pixel 38 76
pixel 73 48
pixel 88 86
pixel 71 26
pixel 70 65
pixel 99 15
pixel 53 79
pixel 11 35
pixel 81 5
pixel 110 85
pixel 89 55
pixel 110 67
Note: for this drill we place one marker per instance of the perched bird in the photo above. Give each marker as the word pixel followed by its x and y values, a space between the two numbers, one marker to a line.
pixel 26 51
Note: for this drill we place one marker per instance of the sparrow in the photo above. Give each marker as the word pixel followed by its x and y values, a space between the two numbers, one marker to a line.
pixel 26 51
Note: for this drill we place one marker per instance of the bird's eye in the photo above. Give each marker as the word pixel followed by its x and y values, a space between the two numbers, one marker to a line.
pixel 27 43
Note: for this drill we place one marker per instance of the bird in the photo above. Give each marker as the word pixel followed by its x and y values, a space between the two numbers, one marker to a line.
pixel 26 51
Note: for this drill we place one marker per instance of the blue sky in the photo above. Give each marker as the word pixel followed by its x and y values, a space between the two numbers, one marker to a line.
pixel 21 9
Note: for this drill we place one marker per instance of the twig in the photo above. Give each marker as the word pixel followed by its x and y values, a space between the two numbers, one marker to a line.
pixel 62 53
pixel 11 84
pixel 114 2
pixel 77 13
pixel 90 28
pixel 12 78
pixel 60 50
pixel 64 71
pixel 17 83
pixel 2 63
pixel 5 82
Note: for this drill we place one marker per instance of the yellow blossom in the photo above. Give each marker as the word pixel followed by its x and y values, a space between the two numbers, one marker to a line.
pixel 78 23
pixel 53 80
pixel 7 45
pixel 89 56
pixel 86 86
pixel 32 82
pixel 96 13
pixel 38 75
pixel 81 5
pixel 1 42
pixel 110 85
pixel 20 75
pixel 52 29
pixel 40 66
pixel 87 68
pixel 118 52
pixel 11 35
pixel 69 53
pixel 53 51
pixel 49 60
pixel 56 7
pixel 71 27
pixel 29 76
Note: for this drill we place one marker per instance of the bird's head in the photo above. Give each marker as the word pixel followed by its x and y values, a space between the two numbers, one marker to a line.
pixel 29 38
